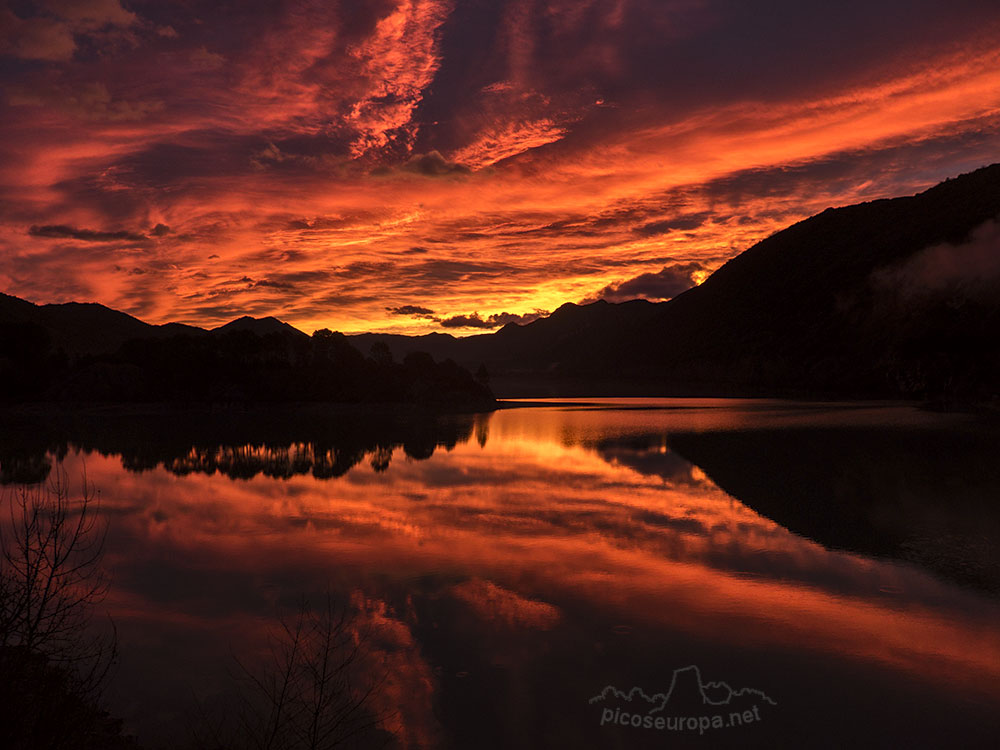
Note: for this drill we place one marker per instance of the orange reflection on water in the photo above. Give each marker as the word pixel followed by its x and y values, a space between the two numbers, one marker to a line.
pixel 550 511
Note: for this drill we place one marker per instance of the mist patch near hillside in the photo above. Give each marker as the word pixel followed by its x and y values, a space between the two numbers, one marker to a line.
pixel 967 271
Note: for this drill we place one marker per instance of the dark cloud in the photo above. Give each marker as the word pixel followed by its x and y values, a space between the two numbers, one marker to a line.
pixel 267 283
pixel 325 304
pixel 433 164
pixel 54 32
pixel 195 155
pixel 136 271
pixel 160 230
pixel 466 321
pixel 363 268
pixel 321 223
pixel 298 277
pixel 62 231
pixel 502 319
pixel 681 223
pixel 497 320
pixel 668 282
pixel 423 312
pixel 448 270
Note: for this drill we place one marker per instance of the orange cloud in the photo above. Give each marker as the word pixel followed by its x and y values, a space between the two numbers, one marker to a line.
pixel 415 153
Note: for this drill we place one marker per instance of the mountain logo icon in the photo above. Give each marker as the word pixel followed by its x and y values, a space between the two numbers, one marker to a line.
pixel 689 704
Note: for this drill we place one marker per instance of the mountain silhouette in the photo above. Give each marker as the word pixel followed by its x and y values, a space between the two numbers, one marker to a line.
pixel 558 345
pixel 259 326
pixel 88 353
pixel 83 328
pixel 841 303
pixel 895 298
pixel 89 328
pixel 891 298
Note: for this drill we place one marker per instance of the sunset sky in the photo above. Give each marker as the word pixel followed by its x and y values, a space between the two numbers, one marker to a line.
pixel 417 165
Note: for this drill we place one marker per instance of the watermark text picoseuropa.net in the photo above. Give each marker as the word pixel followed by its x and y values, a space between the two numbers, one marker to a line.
pixel 680 723
pixel 689 705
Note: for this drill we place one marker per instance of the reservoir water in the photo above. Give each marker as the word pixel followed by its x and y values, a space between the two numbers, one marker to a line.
pixel 753 573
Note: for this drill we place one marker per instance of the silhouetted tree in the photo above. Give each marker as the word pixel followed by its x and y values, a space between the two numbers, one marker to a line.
pixel 309 693
pixel 234 368
pixel 53 663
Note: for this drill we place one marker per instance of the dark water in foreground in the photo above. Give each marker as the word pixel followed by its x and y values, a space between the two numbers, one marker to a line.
pixel 533 576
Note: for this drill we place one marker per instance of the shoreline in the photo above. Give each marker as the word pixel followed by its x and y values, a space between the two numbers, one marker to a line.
pixel 310 409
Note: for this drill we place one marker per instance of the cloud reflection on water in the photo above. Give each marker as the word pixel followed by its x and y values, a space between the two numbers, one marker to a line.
pixel 516 545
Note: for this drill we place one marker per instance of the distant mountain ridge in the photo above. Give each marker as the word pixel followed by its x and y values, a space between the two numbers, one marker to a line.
pixel 85 328
pixel 537 347
pixel 891 298
pixel 88 353
pixel 259 326
pixel 91 328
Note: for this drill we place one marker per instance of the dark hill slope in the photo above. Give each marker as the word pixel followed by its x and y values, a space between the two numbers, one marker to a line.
pixel 850 302
pixel 91 329
pixel 260 327
pixel 438 345
pixel 82 328
pixel 561 342
pixel 830 304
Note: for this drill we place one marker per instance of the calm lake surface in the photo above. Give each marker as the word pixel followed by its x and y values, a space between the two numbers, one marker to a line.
pixel 806 575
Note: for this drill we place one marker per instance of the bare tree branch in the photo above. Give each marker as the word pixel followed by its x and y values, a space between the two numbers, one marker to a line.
pixel 305 696
pixel 55 659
